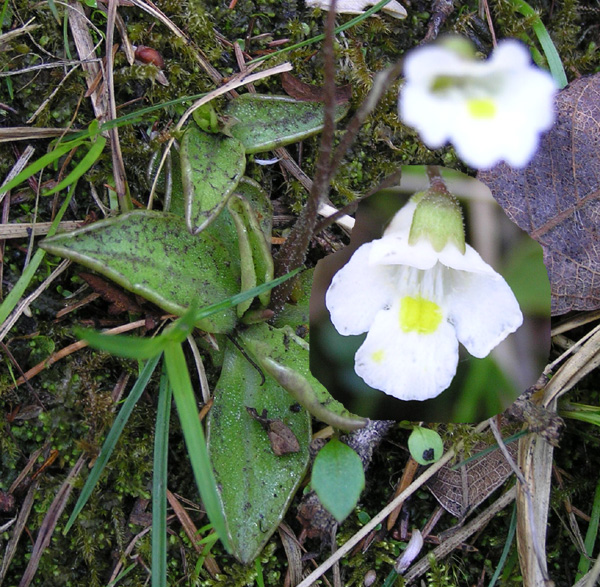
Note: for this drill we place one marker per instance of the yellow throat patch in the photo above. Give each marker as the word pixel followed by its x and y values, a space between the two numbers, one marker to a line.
pixel 419 315
pixel 481 108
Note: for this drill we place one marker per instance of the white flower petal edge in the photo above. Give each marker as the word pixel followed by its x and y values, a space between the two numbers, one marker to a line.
pixel 394 249
pixel 357 292
pixel 408 366
pixel 483 310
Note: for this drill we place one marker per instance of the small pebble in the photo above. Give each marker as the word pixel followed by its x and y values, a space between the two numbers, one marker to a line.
pixel 370 578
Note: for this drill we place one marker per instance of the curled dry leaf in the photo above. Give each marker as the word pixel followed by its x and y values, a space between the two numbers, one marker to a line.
pixel 283 440
pixel 556 199
pixel 392 8
pixel 460 491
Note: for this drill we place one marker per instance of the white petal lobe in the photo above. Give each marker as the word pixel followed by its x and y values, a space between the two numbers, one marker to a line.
pixel 408 366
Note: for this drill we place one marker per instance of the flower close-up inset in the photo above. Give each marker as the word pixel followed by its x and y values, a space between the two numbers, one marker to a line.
pixel 419 291
pixel 490 110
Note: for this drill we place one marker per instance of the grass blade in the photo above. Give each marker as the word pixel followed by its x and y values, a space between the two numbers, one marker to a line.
pixel 112 438
pixel 89 159
pixel 40 163
pixel 554 63
pixel 509 540
pixel 19 288
pixel 131 347
pixel 159 485
pixel 135 347
pixel 194 438
pixel 590 536
pixel 245 295
pixel 122 575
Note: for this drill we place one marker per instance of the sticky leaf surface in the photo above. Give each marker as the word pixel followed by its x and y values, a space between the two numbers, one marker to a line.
pixel 285 357
pixel 267 122
pixel 211 165
pixel 153 254
pixel 255 484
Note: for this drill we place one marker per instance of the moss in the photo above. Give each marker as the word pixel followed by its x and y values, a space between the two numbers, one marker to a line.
pixel 76 392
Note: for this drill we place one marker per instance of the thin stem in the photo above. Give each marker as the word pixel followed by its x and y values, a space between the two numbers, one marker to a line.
pixel 436 181
pixel 293 252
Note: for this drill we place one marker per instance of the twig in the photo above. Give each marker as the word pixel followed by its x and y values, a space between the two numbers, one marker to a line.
pixel 24 303
pixel 49 524
pixel 382 515
pixel 20 164
pixel 79 25
pixel 461 535
pixel 11 547
pixel 119 176
pixel 340 216
pixel 8 231
pixel 535 531
pixel 293 251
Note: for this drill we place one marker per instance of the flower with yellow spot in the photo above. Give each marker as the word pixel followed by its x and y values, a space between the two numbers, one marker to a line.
pixel 489 110
pixel 417 292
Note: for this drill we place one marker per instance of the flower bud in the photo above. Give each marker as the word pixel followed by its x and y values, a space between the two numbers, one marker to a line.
pixel 438 219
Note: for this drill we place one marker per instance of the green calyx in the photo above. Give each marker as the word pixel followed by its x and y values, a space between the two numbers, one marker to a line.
pixel 459 45
pixel 438 218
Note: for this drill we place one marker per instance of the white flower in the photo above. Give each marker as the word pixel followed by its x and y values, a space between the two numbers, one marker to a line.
pixel 417 303
pixel 490 110
pixel 393 8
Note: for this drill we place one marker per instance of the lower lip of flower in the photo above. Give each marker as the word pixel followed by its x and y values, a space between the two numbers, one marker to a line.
pixel 419 315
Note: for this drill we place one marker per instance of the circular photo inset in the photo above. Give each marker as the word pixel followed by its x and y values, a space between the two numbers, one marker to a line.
pixel 437 311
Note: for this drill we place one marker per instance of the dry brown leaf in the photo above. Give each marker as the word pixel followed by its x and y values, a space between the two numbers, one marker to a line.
pixel 556 199
pixel 300 90
pixel 460 491
pixel 119 300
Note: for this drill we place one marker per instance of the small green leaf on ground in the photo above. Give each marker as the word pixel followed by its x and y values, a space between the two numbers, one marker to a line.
pixel 425 445
pixel 338 478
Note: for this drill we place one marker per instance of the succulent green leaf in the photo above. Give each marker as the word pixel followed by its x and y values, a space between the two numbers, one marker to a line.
pixel 247 269
pixel 152 254
pixel 338 478
pixel 285 357
pixel 425 445
pixel 252 242
pixel 211 167
pixel 268 122
pixel 255 485
pixel 260 203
